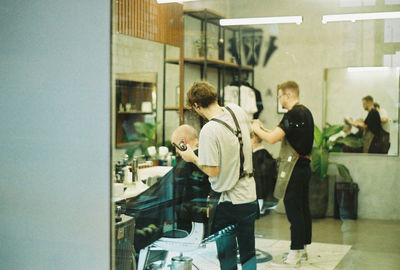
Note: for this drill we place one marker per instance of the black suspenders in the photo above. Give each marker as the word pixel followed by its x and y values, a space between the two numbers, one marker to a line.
pixel 238 134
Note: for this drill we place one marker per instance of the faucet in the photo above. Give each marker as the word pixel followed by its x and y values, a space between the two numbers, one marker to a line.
pixel 135 168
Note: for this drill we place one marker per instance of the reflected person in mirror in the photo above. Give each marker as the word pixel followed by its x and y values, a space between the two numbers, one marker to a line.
pixel 384 118
pixel 296 131
pixel 225 155
pixel 376 140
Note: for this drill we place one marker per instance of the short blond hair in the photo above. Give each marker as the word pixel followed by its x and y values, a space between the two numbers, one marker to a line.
pixel 368 99
pixel 291 86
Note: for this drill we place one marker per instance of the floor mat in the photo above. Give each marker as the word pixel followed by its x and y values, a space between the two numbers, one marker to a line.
pixel 321 256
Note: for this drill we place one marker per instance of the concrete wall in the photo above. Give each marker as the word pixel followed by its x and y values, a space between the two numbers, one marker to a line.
pixel 55 135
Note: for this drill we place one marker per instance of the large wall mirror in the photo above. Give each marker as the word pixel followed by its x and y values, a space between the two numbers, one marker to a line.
pixel 139 78
pixel 344 104
pixel 144 35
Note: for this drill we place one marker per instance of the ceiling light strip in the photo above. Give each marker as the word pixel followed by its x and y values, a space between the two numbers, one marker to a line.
pixel 173 1
pixel 358 69
pixel 261 20
pixel 360 16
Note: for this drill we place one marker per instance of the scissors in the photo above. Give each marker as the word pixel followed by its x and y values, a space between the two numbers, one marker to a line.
pixel 181 145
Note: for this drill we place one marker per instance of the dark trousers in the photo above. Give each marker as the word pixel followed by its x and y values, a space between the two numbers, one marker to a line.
pixel 297 207
pixel 243 216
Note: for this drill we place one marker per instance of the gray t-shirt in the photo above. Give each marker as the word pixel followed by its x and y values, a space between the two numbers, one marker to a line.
pixel 218 146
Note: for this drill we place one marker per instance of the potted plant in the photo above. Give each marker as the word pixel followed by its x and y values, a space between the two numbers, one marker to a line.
pixel 320 163
pixel 200 44
pixel 145 136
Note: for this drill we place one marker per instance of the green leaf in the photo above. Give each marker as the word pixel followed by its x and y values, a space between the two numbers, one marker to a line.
pixel 336 149
pixel 324 163
pixel 320 162
pixel 145 135
pixel 316 160
pixel 317 136
pixel 144 129
pixel 131 151
pixel 344 172
pixel 320 153
pixel 331 130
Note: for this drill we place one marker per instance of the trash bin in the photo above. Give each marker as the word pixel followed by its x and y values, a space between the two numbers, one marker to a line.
pixel 346 200
pixel 124 250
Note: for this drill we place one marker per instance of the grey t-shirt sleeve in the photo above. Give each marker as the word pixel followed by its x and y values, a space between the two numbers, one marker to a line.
pixel 248 123
pixel 208 148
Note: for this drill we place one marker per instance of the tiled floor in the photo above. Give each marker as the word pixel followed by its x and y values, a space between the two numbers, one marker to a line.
pixel 337 245
pixel 322 256
pixel 375 244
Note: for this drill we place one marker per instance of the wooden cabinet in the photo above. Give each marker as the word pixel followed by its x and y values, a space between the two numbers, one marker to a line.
pixel 135 102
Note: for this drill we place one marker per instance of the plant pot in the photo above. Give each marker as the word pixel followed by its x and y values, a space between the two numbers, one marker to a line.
pixel 201 51
pixel 346 200
pixel 318 196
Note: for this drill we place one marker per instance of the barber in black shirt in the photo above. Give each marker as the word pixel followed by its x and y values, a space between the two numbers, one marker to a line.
pixel 297 130
pixel 371 124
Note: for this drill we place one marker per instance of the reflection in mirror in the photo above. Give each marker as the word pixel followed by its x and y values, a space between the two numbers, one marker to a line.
pixel 135 103
pixel 139 78
pixel 366 101
pixel 142 196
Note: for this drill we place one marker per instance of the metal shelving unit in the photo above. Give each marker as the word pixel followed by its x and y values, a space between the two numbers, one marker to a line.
pixel 223 67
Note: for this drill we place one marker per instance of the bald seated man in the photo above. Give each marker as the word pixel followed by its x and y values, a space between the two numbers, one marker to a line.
pixel 187 134
pixel 192 184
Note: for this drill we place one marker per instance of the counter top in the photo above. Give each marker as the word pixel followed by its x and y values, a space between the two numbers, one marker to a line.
pixel 136 188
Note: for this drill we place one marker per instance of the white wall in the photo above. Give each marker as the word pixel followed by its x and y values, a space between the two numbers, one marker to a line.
pixel 55 135
pixel 378 180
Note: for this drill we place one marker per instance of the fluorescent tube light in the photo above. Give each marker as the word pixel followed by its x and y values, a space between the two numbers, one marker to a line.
pixel 262 20
pixel 360 16
pixel 173 1
pixel 358 69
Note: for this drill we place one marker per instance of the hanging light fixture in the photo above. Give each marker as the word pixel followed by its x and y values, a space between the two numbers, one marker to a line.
pixel 262 20
pixel 173 1
pixel 358 69
pixel 360 16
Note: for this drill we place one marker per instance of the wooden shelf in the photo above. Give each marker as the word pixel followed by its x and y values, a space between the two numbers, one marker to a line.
pixel 130 90
pixel 176 108
pixel 126 144
pixel 210 62
pixel 135 112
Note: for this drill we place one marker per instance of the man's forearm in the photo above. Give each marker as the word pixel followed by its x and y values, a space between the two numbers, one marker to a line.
pixel 211 171
pixel 269 136
pixel 264 135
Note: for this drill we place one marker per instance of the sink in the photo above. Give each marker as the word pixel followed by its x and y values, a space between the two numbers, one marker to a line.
pixel 156 171
pixel 136 188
